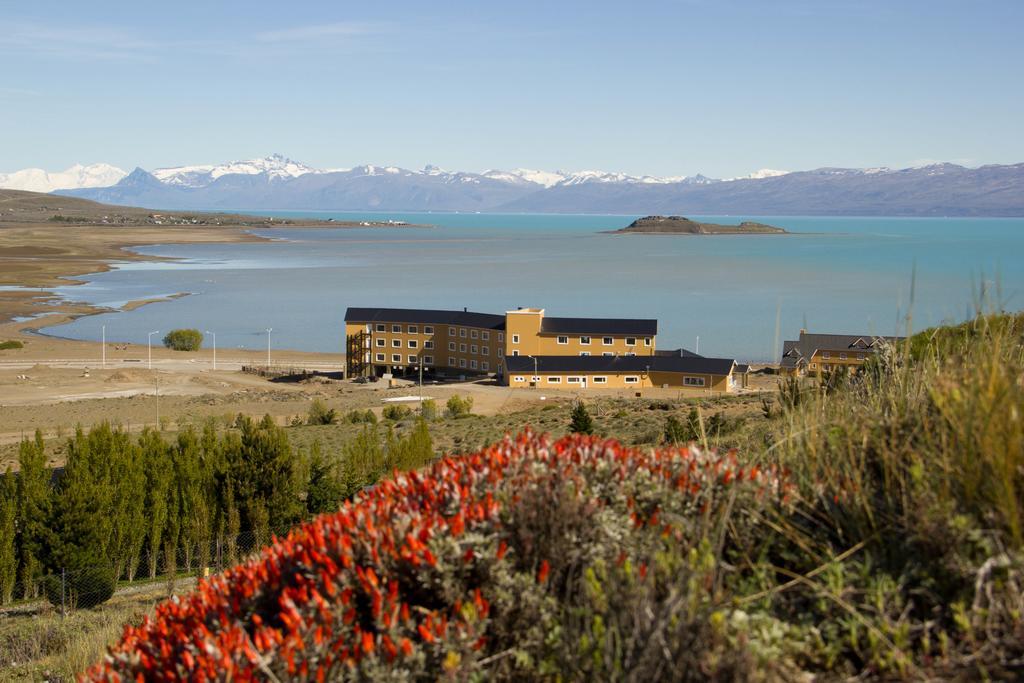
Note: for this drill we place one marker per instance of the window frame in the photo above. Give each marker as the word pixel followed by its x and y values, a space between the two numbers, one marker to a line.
pixel 630 341
pixel 607 341
pixel 554 379
pixel 631 379
pixel 691 381
pixel 599 379
pixel 381 327
pixel 381 358
pixel 412 329
pixel 396 329
pixel 396 358
pixel 562 339
pixel 585 340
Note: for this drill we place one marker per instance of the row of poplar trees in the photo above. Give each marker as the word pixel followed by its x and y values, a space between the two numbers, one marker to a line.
pixel 147 505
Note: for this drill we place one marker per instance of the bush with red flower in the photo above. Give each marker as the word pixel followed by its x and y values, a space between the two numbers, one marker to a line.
pixel 577 558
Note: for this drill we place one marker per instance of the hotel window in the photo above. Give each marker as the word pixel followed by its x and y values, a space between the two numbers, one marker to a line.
pixel 842 356
pixel 814 366
pixel 501 352
pixel 631 353
pixel 428 360
pixel 608 353
pixel 501 336
pixel 451 361
pixel 427 329
pixel 519 378
pixel 474 349
pixel 515 338
pixel 472 365
pixel 607 341
pixel 380 357
pixel 462 332
pixel 381 342
pixel 484 351
pixel 413 343
pixel 380 327
pixel 600 380
pixel 396 358
pixel 515 352
pixel 396 329
pixel 473 334
pixel 584 353
pixel 462 362
pixel 554 380
pixel 428 344
pixel 397 343
pixel 860 356
pixel 462 348
pixel 572 380
pixel 647 341
pixel 451 331
pixel 693 381
pixel 585 341
pixel 631 379
pixel 413 360
pixel 630 341
pixel 826 354
pixel 414 329
pixel 562 340
pixel 451 346
pixel 485 336
pixel 484 366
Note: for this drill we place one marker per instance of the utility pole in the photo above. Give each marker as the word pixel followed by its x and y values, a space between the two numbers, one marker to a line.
pixel 269 330
pixel 156 383
pixel 104 346
pixel 149 347
pixel 421 386
pixel 214 335
pixel 697 349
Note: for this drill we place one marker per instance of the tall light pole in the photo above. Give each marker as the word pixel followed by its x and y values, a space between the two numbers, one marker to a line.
pixel 104 346
pixel 269 330
pixel 535 379
pixel 149 347
pixel 697 349
pixel 214 335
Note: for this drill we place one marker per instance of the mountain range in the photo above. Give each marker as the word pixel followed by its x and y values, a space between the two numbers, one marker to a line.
pixel 278 183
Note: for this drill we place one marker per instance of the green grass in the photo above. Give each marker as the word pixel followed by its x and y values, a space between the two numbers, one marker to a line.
pixel 11 344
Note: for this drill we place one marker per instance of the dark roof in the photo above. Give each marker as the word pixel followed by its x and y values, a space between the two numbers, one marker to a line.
pixel 425 317
pixel 614 364
pixel 742 368
pixel 638 326
pixel 809 343
pixel 678 352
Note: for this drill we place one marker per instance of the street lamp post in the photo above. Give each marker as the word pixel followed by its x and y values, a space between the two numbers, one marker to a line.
pixel 149 347
pixel 214 335
pixel 269 330
pixel 104 346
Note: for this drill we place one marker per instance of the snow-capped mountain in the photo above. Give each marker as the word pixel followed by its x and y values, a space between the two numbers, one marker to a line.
pixel 78 176
pixel 273 166
pixel 276 182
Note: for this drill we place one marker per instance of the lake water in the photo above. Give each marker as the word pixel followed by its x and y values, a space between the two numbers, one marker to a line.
pixel 843 275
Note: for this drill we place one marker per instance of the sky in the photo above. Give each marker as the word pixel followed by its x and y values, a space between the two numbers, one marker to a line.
pixel 719 87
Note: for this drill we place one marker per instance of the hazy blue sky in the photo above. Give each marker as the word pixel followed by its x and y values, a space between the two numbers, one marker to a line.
pixel 717 87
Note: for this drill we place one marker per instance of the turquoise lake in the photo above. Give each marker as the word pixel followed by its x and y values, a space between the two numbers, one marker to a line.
pixel 842 275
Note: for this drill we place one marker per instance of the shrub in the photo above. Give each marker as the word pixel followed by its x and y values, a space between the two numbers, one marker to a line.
pixel 457 406
pixel 428 410
pixel 320 414
pixel 396 412
pixel 438 573
pixel 184 340
pixel 11 344
pixel 80 588
pixel 361 417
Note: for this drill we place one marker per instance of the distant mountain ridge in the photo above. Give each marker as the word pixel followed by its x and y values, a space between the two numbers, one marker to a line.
pixel 279 183
pixel 78 176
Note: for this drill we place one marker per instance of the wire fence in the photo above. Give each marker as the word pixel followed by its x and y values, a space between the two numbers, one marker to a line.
pixel 91 584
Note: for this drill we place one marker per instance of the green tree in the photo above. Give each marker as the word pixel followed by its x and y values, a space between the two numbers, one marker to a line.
pixel 184 340
pixel 581 422
pixel 363 460
pixel 34 499
pixel 675 432
pixel 326 488
pixel 8 528
pixel 159 472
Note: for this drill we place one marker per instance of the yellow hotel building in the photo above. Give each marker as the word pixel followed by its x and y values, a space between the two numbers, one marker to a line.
pixel 526 348
pixel 817 353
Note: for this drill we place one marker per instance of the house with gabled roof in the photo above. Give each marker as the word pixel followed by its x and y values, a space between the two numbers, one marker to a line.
pixel 817 353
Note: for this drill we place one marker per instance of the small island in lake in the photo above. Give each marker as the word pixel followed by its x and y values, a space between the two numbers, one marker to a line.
pixel 680 225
